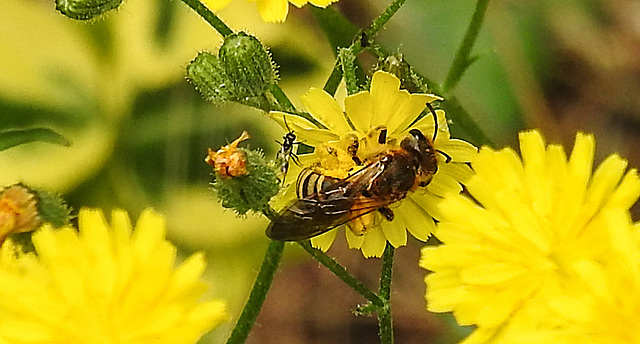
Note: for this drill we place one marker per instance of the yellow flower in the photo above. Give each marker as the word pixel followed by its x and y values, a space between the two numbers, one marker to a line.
pixel 103 285
pixel 368 116
pixel 271 10
pixel 522 241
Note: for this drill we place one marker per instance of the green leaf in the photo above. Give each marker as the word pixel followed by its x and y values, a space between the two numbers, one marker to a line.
pixel 14 137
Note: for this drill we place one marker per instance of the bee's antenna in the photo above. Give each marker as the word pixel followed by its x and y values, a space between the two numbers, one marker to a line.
pixel 447 157
pixel 435 120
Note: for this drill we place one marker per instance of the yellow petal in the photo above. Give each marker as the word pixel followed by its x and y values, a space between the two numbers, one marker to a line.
pixel 386 97
pixel 298 3
pixel 323 107
pixel 458 171
pixel 408 111
pixel 354 241
pixel 359 108
pixel 418 222
pixel 395 231
pixel 374 243
pixel 305 131
pixel 324 241
pixel 273 10
pixel 581 159
pixel 322 3
pixel 627 192
pixel 490 273
pixel 443 184
pixel 215 5
pixel 458 150
pixel 429 202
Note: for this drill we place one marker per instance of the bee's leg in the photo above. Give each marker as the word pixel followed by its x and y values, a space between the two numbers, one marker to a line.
pixel 295 159
pixel 387 213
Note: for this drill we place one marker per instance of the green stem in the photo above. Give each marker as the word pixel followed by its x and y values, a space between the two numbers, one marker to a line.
pixel 385 320
pixel 211 18
pixel 462 59
pixel 382 19
pixel 258 293
pixel 342 273
pixel 336 74
pixel 347 60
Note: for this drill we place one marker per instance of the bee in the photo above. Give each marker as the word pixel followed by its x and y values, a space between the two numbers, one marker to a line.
pixel 286 154
pixel 325 203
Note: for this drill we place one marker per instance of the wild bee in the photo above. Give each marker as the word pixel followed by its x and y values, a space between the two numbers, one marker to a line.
pixel 334 202
pixel 325 202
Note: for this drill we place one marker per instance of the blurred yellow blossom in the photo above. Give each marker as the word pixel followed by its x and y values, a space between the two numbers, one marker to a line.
pixel 535 232
pixel 271 10
pixel 105 284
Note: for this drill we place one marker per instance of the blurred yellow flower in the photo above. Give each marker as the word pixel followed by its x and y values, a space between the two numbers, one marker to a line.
pixel 271 10
pixel 530 236
pixel 104 284
pixel 384 111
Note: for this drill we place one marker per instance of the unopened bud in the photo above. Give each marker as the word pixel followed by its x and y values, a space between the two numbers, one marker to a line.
pixel 85 9
pixel 208 76
pixel 248 64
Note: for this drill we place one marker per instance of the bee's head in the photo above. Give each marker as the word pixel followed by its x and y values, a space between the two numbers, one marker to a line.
pixel 422 148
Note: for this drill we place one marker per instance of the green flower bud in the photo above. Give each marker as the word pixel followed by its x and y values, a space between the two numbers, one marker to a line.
pixel 208 76
pixel 248 64
pixel 243 179
pixel 85 9
pixel 52 208
pixel 251 191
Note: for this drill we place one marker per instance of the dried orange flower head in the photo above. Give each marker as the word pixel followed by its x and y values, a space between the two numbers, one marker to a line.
pixel 18 211
pixel 228 161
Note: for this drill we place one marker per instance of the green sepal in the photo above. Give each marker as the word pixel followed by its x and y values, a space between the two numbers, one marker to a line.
pixel 251 191
pixel 208 76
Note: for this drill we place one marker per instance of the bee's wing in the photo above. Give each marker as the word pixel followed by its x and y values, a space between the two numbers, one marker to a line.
pixel 335 205
pixel 307 218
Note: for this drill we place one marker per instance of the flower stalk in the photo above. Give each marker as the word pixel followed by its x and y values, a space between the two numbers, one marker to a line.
pixel 342 274
pixel 385 320
pixel 210 17
pixel 258 294
pixel 331 86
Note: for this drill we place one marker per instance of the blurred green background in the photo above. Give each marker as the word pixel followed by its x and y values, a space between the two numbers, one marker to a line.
pixel 116 88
